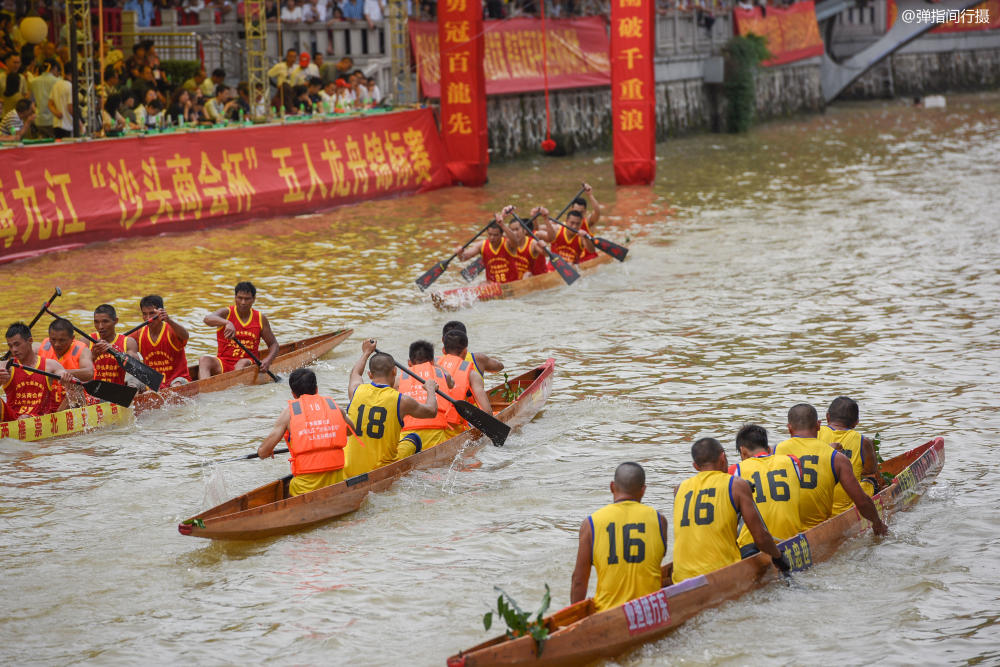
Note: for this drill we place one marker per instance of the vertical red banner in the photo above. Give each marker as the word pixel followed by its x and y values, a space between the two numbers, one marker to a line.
pixel 463 89
pixel 633 91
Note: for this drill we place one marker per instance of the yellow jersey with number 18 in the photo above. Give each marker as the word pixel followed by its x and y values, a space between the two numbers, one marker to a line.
pixel 816 459
pixel 374 410
pixel 775 480
pixel 628 547
pixel 705 519
pixel 850 443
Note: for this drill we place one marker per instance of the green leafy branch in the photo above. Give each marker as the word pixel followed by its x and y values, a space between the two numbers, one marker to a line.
pixel 517 621
pixel 876 441
pixel 510 393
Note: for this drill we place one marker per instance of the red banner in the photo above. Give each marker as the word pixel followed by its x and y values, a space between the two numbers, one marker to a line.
pixel 463 104
pixel 792 32
pixel 63 195
pixel 984 16
pixel 577 55
pixel 633 91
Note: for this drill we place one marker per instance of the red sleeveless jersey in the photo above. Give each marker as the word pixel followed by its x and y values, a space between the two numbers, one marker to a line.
pixel 165 354
pixel 30 393
pixel 70 361
pixel 497 262
pixel 247 332
pixel 105 366
pixel 522 259
pixel 572 250
pixel 415 390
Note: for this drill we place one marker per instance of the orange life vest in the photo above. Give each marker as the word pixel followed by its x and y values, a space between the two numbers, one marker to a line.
pixel 317 434
pixel 415 390
pixel 247 332
pixel 572 250
pixel 106 368
pixel 460 371
pixel 70 360
pixel 498 263
pixel 30 393
pixel 165 354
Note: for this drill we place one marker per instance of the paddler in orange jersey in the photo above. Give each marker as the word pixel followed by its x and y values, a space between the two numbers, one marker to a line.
pixel 522 249
pixel 73 355
pixel 624 541
pixel 483 363
pixel 106 367
pixel 316 429
pixel 568 244
pixel 841 420
pixel 420 434
pixel 247 325
pixel 162 342
pixel 707 509
pixel 497 260
pixel 29 394
pixel 468 381
pixel 822 469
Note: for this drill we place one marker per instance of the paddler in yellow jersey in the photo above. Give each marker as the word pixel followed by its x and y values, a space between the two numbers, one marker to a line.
pixel 841 419
pixel 822 468
pixel 624 541
pixel 420 434
pixel 316 429
pixel 483 363
pixel 378 410
pixel 707 509
pixel 774 482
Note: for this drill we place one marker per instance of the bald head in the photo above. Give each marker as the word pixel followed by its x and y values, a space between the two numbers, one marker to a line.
pixel 630 479
pixel 803 421
pixel 381 365
pixel 705 452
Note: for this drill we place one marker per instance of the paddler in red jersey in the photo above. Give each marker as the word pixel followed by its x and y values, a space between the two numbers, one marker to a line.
pixel 162 342
pixel 566 242
pixel 497 260
pixel 580 205
pixel 316 429
pixel 244 324
pixel 106 367
pixel 28 394
pixel 73 355
pixel 522 249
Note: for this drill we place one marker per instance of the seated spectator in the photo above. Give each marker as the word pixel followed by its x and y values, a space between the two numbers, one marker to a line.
pixel 112 82
pixel 218 107
pixel 374 94
pixel 112 122
pixel 328 97
pixel 240 108
pixel 195 83
pixel 313 89
pixel 153 115
pixel 17 121
pixel 301 102
pixel 327 69
pixel 313 69
pixel 128 110
pixel 179 110
pixel 210 87
pixel 281 72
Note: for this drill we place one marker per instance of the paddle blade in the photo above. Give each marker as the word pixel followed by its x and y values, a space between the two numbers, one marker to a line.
pixel 139 370
pixel 492 428
pixel 110 391
pixel 564 269
pixel 430 275
pixel 472 270
pixel 613 249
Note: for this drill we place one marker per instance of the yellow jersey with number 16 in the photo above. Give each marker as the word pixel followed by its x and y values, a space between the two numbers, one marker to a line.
pixel 705 518
pixel 818 477
pixel 374 410
pixel 850 443
pixel 627 550
pixel 775 480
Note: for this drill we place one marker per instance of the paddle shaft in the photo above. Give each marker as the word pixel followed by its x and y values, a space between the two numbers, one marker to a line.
pixel 613 249
pixel 428 277
pixel 255 455
pixel 37 317
pixel 417 377
pixel 102 389
pixel 582 190
pixel 255 359
pixel 137 327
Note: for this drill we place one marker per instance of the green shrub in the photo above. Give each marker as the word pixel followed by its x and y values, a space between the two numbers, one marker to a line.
pixel 179 71
pixel 743 56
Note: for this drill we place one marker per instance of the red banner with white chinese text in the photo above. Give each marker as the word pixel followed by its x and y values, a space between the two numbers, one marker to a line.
pixel 577 54
pixel 633 91
pixel 984 16
pixel 792 32
pixel 70 194
pixel 463 90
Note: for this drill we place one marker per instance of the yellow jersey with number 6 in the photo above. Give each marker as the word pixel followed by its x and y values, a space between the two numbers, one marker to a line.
pixel 628 549
pixel 775 480
pixel 819 479
pixel 850 443
pixel 705 518
pixel 374 410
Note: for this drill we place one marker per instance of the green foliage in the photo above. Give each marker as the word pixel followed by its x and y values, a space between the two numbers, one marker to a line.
pixel 876 441
pixel 510 393
pixel 517 621
pixel 194 522
pixel 743 56
pixel 179 71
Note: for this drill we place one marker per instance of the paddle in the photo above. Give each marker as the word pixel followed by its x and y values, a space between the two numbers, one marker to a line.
pixel 613 249
pixel 433 273
pixel 137 327
pixel 255 455
pixel 563 268
pixel 132 366
pixel 106 391
pixel 276 378
pixel 37 317
pixel 492 427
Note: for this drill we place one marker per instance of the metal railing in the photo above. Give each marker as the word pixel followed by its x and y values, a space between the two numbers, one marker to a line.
pixel 688 33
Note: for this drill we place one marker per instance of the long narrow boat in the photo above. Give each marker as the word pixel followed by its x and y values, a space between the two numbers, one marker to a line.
pixel 461 297
pixel 290 356
pixel 580 635
pixel 64 422
pixel 269 510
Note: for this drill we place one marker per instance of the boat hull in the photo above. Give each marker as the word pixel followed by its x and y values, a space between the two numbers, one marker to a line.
pixel 266 511
pixel 579 635
pixel 66 422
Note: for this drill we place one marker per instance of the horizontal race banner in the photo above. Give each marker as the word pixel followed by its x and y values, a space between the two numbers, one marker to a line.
pixel 792 32
pixel 577 55
pixel 984 16
pixel 64 195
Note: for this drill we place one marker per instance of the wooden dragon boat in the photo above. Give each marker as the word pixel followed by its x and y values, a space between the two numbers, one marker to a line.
pixel 268 510
pixel 64 422
pixel 461 297
pixel 290 356
pixel 579 635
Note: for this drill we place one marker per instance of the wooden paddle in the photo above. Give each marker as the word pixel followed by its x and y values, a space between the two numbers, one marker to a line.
pixel 255 455
pixel 106 391
pixel 276 378
pixel 563 268
pixel 491 427
pixel 137 327
pixel 132 366
pixel 37 317
pixel 433 273
pixel 613 249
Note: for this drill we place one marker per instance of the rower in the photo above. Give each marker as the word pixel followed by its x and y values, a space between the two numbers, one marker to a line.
pixel 483 363
pixel 244 324
pixel 841 419
pixel 468 381
pixel 775 485
pixel 162 342
pixel 106 367
pixel 822 467
pixel 378 411
pixel 316 429
pixel 540 264
pixel 568 244
pixel 707 508
pixel 580 205
pixel 419 434
pixel 29 394
pixel 497 260
pixel 522 250
pixel 624 541
pixel 72 355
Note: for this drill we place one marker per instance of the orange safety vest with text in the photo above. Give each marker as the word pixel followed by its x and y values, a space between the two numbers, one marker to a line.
pixel 416 391
pixel 317 434
pixel 70 360
pixel 460 371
